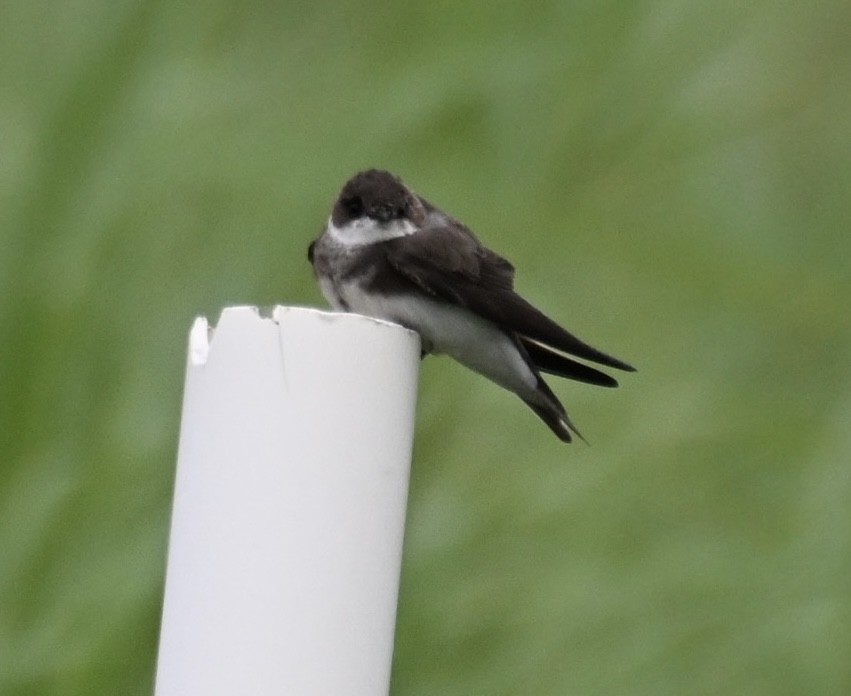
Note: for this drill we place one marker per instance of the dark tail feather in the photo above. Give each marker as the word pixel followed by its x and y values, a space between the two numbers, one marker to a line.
pixel 548 360
pixel 550 410
pixel 556 422
pixel 546 405
pixel 520 316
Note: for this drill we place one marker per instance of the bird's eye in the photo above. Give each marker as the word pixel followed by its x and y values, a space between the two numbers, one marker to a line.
pixel 354 206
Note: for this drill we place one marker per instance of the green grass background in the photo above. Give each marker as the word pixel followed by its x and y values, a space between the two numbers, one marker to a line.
pixel 673 182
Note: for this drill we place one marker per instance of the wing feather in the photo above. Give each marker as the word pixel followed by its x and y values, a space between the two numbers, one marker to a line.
pixel 450 263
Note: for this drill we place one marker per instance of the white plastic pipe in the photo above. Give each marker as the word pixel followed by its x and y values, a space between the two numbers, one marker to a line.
pixel 289 506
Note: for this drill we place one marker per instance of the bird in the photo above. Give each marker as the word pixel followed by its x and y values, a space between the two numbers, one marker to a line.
pixel 386 252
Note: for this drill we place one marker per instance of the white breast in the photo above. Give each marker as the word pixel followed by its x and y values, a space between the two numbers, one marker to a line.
pixel 472 341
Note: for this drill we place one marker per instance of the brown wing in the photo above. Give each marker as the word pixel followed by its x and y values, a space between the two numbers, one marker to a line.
pixel 450 264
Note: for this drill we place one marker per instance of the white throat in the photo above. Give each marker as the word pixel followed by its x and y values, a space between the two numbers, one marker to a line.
pixel 365 231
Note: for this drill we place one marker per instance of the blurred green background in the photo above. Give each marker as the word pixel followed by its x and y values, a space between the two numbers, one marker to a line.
pixel 673 182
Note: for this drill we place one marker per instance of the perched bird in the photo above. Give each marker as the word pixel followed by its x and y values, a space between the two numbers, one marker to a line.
pixel 388 253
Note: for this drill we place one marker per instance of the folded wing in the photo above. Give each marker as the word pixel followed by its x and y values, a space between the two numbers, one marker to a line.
pixel 450 264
